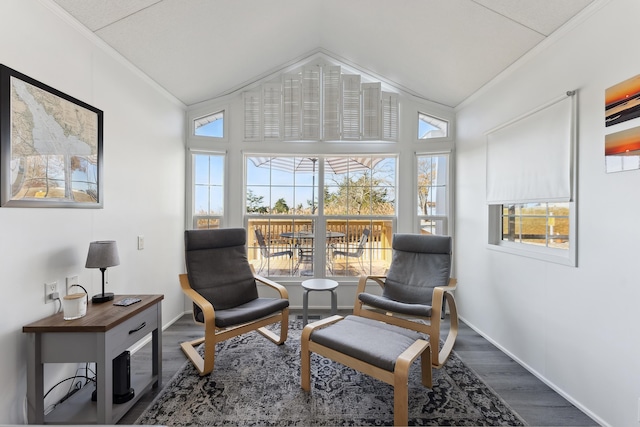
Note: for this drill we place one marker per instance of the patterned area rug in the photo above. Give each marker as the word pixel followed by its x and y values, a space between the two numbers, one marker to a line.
pixel 256 383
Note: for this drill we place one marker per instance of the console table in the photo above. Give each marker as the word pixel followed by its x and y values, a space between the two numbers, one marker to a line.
pixel 100 336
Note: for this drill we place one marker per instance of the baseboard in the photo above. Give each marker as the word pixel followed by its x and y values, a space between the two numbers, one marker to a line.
pixel 535 373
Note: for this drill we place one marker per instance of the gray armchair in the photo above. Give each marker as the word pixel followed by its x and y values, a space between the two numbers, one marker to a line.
pixel 223 288
pixel 415 290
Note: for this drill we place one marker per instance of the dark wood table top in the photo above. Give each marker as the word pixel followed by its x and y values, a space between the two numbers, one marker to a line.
pixel 99 318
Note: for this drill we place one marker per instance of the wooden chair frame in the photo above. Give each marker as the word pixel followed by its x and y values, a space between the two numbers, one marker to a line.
pixel 214 335
pixel 427 325
pixel 399 378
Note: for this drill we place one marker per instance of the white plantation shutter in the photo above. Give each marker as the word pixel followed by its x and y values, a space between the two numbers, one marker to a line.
pixel 371 110
pixel 331 103
pixel 252 115
pixel 320 103
pixel 291 98
pixel 311 103
pixel 350 106
pixel 390 116
pixel 272 110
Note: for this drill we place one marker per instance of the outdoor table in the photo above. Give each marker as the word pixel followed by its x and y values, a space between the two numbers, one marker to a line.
pixel 301 236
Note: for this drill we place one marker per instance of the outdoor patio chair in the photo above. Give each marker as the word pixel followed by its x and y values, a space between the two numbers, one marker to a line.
pixel 415 290
pixel 266 253
pixel 223 288
pixel 357 253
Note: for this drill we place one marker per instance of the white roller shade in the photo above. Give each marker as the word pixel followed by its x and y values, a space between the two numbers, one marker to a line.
pixel 530 159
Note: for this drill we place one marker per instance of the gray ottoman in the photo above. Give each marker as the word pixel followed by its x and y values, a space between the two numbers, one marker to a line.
pixel 374 348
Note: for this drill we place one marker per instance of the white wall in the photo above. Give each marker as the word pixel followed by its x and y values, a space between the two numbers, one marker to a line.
pixel 574 327
pixel 143 189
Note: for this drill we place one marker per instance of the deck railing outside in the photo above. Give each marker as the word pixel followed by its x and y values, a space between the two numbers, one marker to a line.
pixel 374 259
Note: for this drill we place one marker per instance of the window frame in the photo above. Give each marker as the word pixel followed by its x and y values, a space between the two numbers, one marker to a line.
pixel 190 216
pixel 567 257
pixel 446 218
pixel 444 118
pixel 320 218
pixel 194 116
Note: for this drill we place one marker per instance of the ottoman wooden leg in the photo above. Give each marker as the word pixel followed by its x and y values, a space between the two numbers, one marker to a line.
pixel 305 354
pixel 401 378
pixel 305 362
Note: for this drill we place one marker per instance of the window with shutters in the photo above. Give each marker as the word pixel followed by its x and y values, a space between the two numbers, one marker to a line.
pixel 320 103
pixel 311 155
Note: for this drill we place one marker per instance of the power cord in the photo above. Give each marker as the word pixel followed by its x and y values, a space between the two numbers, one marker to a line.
pixel 56 297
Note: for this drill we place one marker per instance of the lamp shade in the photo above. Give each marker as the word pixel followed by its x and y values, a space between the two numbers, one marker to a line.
pixel 102 254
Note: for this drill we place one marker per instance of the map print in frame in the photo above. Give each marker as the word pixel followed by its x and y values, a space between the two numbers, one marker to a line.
pixel 50 146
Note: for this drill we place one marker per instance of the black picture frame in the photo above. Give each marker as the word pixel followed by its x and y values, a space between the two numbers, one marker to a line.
pixel 50 146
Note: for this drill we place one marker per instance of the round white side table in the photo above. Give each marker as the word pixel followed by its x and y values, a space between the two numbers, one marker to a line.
pixel 318 285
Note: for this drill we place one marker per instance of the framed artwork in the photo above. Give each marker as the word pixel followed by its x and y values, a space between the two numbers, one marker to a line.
pixel 50 146
pixel 622 101
pixel 622 150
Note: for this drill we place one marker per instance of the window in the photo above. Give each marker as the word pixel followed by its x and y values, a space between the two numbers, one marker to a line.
pixel 433 193
pixel 320 103
pixel 359 206
pixel 541 224
pixel 282 201
pixel 430 127
pixel 530 174
pixel 208 190
pixel 211 125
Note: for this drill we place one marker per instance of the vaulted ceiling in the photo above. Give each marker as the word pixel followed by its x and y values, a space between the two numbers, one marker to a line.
pixel 440 50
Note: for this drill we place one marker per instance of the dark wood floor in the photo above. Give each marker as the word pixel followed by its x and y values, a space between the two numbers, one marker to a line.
pixel 538 404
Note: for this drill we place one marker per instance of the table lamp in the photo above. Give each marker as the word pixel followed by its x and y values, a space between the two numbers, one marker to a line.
pixel 102 254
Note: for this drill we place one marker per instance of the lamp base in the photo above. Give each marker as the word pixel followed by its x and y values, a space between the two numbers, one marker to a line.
pixel 107 296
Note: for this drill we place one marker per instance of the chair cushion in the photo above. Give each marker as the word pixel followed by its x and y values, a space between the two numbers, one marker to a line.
pixel 374 342
pixel 218 268
pixel 418 264
pixel 395 306
pixel 253 310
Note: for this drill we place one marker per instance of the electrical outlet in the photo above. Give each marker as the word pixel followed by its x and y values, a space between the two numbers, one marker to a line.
pixel 140 243
pixel 72 280
pixel 49 288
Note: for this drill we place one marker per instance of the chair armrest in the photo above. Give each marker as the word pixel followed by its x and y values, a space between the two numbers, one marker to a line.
pixel 362 283
pixel 438 296
pixel 284 294
pixel 451 286
pixel 207 308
